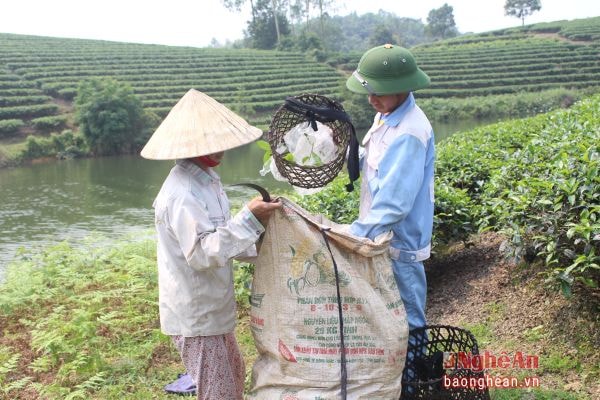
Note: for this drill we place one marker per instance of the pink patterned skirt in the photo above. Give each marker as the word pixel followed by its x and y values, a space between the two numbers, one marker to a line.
pixel 215 363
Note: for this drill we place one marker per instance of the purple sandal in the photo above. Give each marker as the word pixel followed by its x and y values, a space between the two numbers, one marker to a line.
pixel 184 384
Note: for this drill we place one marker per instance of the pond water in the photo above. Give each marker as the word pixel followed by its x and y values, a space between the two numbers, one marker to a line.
pixel 70 200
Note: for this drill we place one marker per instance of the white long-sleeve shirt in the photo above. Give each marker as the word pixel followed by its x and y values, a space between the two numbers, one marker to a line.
pixel 197 238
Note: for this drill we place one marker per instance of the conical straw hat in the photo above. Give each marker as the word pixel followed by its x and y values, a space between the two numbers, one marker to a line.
pixel 196 126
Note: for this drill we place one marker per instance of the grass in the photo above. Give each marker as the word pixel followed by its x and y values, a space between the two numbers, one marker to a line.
pixel 533 394
pixel 553 362
pixel 9 152
pixel 556 362
pixel 82 322
pixel 246 342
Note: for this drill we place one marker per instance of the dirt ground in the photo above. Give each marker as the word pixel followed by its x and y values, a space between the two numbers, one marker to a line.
pixel 509 308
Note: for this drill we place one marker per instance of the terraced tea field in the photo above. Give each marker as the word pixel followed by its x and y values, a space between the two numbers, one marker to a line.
pixel 531 59
pixel 39 75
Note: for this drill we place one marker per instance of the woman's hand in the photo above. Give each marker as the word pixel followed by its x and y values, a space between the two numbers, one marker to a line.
pixel 262 210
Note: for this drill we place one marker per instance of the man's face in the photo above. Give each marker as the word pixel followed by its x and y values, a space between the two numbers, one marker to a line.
pixel 387 103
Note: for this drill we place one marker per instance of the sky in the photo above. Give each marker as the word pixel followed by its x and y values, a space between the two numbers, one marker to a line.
pixel 199 22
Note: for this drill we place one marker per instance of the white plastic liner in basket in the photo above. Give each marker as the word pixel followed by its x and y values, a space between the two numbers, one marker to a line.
pixel 308 147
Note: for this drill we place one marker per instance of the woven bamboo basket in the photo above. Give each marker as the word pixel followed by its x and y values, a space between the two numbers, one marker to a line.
pixel 423 373
pixel 307 108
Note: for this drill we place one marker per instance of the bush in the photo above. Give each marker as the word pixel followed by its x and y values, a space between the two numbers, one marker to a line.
pixel 36 147
pixel 536 179
pixel 28 111
pixel 547 196
pixel 49 123
pixel 63 145
pixel 334 202
pixel 67 94
pixel 10 127
pixel 498 106
pixel 453 215
pixel 110 115
pixel 151 121
pixel 466 160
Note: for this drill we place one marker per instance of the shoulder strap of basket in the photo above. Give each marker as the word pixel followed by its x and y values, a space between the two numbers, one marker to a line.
pixel 327 114
pixel 315 113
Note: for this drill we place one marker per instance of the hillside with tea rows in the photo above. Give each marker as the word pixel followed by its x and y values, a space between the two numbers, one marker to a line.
pixel 39 76
pixel 535 58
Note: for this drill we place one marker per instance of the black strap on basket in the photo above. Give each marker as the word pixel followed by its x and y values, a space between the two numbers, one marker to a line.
pixel 324 115
pixel 343 371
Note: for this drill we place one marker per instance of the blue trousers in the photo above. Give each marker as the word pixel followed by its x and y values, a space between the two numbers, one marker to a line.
pixel 412 283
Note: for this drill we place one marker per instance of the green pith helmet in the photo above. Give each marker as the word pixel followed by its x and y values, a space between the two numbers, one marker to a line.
pixel 387 69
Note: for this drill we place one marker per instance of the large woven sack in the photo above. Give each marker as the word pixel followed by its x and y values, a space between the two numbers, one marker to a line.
pixel 294 312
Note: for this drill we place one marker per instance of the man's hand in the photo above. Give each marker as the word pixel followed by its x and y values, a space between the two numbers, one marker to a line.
pixel 262 210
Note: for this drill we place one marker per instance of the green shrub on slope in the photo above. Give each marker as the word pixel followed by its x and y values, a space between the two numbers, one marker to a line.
pixel 538 180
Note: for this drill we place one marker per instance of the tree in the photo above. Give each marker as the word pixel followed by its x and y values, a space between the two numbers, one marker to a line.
pixel 521 8
pixel 110 116
pixel 273 11
pixel 323 5
pixel 382 35
pixel 302 9
pixel 264 32
pixel 236 5
pixel 355 33
pixel 440 23
pixel 298 10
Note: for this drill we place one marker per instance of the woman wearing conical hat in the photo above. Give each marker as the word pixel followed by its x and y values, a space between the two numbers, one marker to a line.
pixel 198 238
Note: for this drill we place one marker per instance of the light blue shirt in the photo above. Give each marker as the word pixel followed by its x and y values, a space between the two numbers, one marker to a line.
pixel 397 192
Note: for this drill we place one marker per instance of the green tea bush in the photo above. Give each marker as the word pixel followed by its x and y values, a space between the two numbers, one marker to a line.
pixel 334 202
pixel 64 145
pixel 499 106
pixel 537 180
pixel 467 160
pixel 8 101
pixel 453 214
pixel 9 127
pixel 547 195
pixel 49 123
pixel 28 111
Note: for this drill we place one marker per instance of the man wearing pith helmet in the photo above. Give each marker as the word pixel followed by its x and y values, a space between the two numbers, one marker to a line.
pixel 397 169
pixel 197 237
